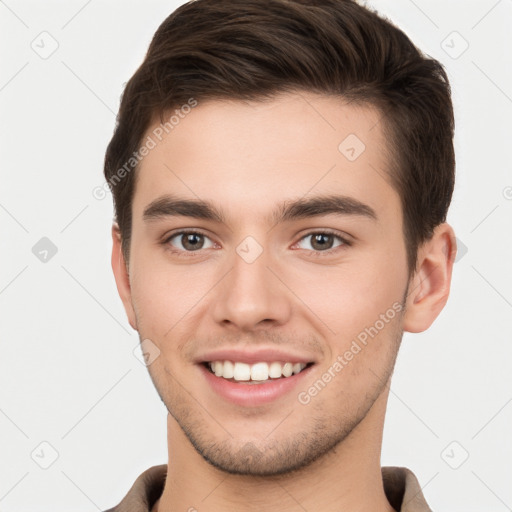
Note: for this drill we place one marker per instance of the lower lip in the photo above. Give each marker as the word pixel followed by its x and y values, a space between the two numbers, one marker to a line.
pixel 248 395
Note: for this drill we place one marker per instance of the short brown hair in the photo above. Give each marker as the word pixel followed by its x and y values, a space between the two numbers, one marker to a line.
pixel 254 49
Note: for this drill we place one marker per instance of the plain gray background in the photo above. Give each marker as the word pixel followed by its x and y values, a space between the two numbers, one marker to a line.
pixel 74 397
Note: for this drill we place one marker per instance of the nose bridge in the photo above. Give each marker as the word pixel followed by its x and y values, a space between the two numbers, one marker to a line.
pixel 251 294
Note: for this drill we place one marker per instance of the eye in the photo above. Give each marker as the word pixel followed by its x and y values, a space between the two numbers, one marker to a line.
pixel 189 241
pixel 322 241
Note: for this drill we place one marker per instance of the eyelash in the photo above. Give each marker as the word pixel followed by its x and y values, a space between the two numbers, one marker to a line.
pixel 189 254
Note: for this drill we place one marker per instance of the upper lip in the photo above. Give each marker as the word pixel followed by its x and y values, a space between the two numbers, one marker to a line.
pixel 267 355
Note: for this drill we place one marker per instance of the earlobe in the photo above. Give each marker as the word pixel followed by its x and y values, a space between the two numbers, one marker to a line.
pixel 430 286
pixel 122 276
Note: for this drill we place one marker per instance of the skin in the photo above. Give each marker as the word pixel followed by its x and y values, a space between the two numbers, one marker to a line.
pixel 247 158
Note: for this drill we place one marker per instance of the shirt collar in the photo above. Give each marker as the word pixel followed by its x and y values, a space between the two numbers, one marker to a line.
pixel 401 486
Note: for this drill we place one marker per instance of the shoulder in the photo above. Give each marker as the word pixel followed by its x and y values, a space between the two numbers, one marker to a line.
pixel 403 490
pixel 144 492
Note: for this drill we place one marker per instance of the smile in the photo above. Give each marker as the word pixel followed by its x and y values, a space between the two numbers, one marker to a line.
pixel 257 372
pixel 256 384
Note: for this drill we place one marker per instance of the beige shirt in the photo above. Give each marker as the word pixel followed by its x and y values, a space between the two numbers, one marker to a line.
pixel 400 485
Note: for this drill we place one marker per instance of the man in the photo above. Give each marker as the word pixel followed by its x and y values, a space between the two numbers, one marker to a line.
pixel 281 173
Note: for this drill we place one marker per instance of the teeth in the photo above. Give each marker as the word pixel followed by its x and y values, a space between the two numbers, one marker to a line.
pixel 256 372
pixel 228 369
pixel 275 370
pixel 218 368
pixel 259 371
pixel 297 368
pixel 241 371
pixel 287 369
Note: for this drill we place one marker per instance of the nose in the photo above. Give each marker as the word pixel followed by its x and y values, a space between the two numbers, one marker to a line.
pixel 252 295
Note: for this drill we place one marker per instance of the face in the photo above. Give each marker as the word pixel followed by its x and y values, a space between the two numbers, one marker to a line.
pixel 267 238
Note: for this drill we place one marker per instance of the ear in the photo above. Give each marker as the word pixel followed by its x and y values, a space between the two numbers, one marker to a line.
pixel 122 276
pixel 430 286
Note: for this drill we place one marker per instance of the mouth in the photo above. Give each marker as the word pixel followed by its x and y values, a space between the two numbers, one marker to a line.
pixel 261 383
pixel 257 373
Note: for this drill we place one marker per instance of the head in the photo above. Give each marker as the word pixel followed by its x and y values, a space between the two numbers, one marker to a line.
pixel 265 114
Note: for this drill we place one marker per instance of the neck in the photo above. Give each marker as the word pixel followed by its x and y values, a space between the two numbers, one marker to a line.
pixel 347 478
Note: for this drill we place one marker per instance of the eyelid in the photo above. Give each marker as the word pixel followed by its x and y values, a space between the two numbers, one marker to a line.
pixel 184 231
pixel 345 239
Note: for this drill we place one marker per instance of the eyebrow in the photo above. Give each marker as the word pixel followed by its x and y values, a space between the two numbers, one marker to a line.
pixel 172 206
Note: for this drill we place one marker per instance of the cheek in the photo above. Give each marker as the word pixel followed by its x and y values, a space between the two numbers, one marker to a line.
pixel 343 301
pixel 165 297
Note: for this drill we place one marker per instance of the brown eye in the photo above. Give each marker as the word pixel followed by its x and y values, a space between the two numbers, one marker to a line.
pixel 190 241
pixel 321 241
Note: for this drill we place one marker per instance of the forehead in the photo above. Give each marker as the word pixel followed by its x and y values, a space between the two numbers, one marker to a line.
pixel 254 154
